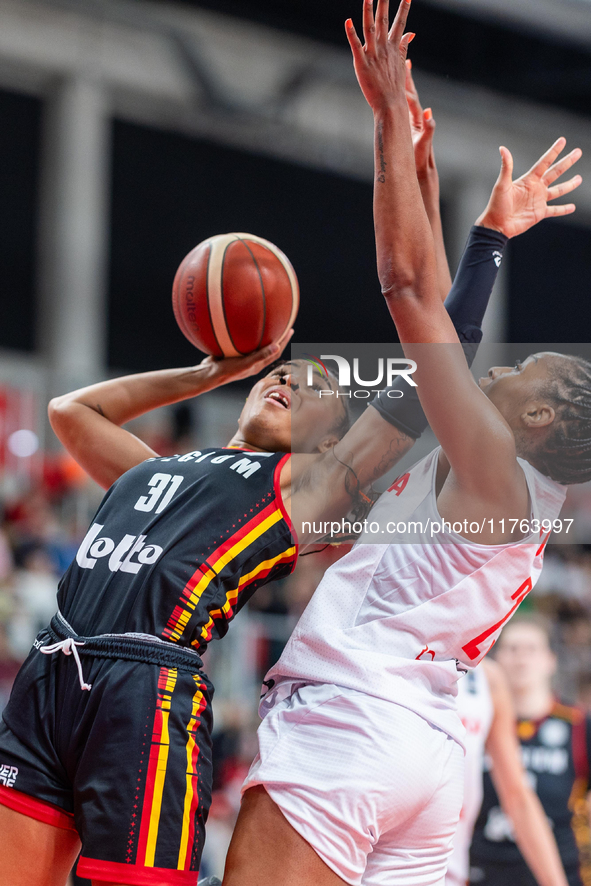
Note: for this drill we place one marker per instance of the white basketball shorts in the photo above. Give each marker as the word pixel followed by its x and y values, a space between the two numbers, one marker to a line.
pixel 375 789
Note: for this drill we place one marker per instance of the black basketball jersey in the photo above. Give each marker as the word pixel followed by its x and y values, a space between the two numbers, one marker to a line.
pixel 556 752
pixel 178 545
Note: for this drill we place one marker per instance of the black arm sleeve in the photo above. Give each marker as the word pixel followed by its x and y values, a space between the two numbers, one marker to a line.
pixel 466 304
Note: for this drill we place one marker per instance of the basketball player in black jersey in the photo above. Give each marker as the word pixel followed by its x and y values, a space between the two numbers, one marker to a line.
pixel 111 751
pixel 113 748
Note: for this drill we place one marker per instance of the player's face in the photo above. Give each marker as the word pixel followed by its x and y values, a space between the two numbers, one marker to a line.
pixel 526 658
pixel 284 413
pixel 516 389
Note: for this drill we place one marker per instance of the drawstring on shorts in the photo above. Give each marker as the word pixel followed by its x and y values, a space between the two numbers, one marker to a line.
pixel 68 647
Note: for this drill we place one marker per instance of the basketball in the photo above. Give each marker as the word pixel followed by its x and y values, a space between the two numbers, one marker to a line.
pixel 235 293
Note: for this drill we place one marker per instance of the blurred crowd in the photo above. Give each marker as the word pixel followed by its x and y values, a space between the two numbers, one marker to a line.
pixel 37 543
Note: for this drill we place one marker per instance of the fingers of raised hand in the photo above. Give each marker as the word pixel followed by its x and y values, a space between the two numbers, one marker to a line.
pixel 424 147
pixel 268 354
pixel 354 41
pixel 547 159
pixel 404 44
pixel 564 188
pixel 412 97
pixel 369 25
pixel 561 167
pixel 428 118
pixel 399 23
pixel 283 341
pixel 382 20
pixel 506 173
pixel 565 209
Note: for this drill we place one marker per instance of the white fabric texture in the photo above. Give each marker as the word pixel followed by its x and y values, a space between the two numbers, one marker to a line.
pixel 401 620
pixel 374 788
pixel 476 711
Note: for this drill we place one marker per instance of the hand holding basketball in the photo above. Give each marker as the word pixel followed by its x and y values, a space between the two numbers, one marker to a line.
pixel 227 369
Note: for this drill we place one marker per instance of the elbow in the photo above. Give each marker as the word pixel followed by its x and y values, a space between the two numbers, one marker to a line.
pixel 54 409
pixel 399 282
pixel 59 413
pixel 397 290
pixel 397 285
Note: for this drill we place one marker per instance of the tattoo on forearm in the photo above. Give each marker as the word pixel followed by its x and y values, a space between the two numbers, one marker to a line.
pixel 397 448
pixel 383 164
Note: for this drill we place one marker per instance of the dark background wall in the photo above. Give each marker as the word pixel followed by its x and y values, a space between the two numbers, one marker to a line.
pixel 470 47
pixel 171 192
pixel 20 135
pixel 550 284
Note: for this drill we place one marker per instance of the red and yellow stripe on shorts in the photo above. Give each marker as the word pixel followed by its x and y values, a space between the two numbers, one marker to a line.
pixel 157 766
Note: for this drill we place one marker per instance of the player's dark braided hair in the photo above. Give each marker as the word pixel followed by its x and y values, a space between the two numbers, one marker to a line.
pixel 566 453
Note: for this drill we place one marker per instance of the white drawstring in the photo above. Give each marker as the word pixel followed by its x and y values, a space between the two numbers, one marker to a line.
pixel 68 647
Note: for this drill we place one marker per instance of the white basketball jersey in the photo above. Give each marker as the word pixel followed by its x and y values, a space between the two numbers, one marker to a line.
pixel 401 620
pixel 475 710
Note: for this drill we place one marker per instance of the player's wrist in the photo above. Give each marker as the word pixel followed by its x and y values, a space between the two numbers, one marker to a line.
pixel 209 374
pixel 391 112
pixel 486 221
pixel 429 186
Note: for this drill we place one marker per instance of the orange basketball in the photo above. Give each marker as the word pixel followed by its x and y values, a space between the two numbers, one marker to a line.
pixel 234 293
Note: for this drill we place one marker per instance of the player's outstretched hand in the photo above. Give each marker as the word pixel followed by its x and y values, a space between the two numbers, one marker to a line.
pixel 379 64
pixel 227 369
pixel 422 126
pixel 515 206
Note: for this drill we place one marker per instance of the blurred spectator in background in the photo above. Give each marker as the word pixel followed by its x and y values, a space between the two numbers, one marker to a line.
pixel 35 589
pixel 556 747
pixel 486 710
pixel 9 665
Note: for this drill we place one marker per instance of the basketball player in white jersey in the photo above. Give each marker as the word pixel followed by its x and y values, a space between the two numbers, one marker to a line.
pixel 359 776
pixel 486 711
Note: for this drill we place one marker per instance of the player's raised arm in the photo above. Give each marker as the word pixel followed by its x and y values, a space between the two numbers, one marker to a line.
pixel 88 421
pixel 404 243
pixel 422 124
pixel 477 440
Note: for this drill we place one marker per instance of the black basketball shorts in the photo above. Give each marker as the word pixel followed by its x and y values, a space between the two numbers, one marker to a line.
pixel 127 764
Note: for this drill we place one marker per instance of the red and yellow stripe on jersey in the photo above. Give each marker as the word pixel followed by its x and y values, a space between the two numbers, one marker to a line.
pixel 261 571
pixel 251 534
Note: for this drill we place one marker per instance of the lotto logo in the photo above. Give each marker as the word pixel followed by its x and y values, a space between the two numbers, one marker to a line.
pixel 8 775
pixel 129 555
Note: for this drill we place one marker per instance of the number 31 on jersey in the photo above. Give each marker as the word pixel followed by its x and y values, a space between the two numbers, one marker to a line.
pixel 163 488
